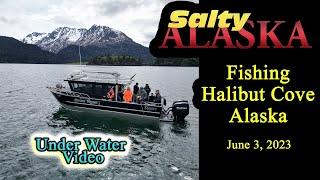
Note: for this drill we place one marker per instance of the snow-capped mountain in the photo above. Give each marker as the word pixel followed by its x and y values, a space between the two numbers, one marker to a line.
pixel 34 37
pixel 101 36
pixel 60 38
pixel 96 41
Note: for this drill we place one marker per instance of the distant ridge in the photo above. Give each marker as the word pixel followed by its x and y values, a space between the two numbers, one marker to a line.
pixel 14 51
pixel 95 41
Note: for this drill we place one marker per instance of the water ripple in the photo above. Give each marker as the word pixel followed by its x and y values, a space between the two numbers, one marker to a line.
pixel 159 150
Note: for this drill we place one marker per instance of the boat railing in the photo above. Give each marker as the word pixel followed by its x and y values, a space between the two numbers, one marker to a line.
pixel 152 103
pixel 99 76
pixel 70 93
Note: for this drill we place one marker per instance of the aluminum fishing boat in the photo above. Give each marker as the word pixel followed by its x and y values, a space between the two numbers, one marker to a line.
pixel 87 92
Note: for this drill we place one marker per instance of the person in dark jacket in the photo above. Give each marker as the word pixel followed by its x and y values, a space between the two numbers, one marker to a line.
pixel 148 89
pixel 157 98
pixel 151 97
pixel 120 93
pixel 135 92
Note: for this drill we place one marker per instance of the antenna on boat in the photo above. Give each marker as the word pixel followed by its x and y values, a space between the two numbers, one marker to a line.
pixel 80 54
pixel 133 76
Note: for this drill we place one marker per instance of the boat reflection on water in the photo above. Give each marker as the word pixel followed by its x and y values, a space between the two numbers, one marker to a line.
pixel 90 122
pixel 79 122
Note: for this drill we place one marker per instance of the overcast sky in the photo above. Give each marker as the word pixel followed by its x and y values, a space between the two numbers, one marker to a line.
pixel 137 18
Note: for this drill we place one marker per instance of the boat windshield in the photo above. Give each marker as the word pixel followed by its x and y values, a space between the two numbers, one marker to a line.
pixel 95 90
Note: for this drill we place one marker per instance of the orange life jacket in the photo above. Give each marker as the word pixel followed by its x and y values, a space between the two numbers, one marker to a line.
pixel 127 96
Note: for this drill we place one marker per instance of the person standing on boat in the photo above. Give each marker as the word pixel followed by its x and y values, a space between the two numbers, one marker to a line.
pixel 127 95
pixel 148 89
pixel 151 98
pixel 157 98
pixel 135 92
pixel 142 95
pixel 120 93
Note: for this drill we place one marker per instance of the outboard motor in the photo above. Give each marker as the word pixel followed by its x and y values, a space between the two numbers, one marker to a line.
pixel 180 109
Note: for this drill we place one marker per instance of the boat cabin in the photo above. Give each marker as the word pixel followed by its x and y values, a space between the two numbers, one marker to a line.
pixel 97 84
pixel 94 90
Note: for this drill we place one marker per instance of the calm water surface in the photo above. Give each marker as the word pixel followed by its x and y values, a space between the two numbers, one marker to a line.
pixel 159 150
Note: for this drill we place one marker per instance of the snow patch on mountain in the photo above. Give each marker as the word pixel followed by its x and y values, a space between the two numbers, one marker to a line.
pixel 33 38
pixel 99 36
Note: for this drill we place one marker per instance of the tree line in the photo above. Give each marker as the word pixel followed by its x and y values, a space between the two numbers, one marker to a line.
pixel 133 61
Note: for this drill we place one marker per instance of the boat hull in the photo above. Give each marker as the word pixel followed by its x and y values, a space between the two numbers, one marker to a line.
pixel 108 108
pixel 106 113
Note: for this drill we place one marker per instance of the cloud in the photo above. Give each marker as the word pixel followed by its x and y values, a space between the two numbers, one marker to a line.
pixel 136 18
pixel 113 7
pixel 7 20
pixel 66 21
pixel 4 20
